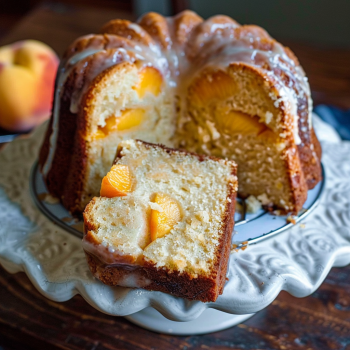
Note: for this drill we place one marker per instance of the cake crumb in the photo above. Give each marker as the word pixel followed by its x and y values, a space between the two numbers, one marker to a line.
pixel 264 199
pixel 197 180
pixel 202 215
pixel 155 206
pixel 235 248
pixel 214 133
pixel 302 226
pixel 206 138
pixel 181 264
pixel 280 146
pixel 194 223
pixel 201 237
pixel 49 199
pixel 253 205
pixel 268 117
pixel 291 219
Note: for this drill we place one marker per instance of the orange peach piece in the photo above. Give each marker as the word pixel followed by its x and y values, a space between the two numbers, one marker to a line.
pixel 268 136
pixel 27 74
pixel 245 124
pixel 214 86
pixel 163 221
pixel 102 132
pixel 117 182
pixel 127 120
pixel 150 81
pixel 239 122
pixel 98 135
pixel 111 125
pixel 130 118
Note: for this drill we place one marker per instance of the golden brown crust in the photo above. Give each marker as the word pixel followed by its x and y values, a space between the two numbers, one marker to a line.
pixel 316 143
pixel 298 186
pixel 184 23
pixel 224 247
pixel 203 31
pixel 67 124
pixel 97 42
pixel 151 278
pixel 157 27
pixel 124 28
pixel 89 224
pixel 66 177
pixel 310 156
pixel 169 150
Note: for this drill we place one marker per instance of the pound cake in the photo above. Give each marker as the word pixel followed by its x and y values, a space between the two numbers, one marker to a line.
pixel 212 87
pixel 163 221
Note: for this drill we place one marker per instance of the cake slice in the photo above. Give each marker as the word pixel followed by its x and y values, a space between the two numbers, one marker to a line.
pixel 163 222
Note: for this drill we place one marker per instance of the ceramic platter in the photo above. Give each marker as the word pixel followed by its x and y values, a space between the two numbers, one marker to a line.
pixel 36 237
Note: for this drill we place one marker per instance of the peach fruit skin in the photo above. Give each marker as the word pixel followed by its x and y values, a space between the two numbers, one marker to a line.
pixel 27 76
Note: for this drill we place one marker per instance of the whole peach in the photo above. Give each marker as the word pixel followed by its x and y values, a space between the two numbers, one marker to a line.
pixel 27 75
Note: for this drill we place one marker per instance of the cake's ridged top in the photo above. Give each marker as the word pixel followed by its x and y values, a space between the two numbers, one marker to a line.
pixel 180 47
pixel 203 188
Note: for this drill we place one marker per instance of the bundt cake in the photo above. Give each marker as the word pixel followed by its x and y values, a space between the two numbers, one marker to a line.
pixel 163 222
pixel 212 87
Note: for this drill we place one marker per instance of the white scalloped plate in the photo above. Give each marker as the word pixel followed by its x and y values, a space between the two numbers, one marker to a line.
pixel 296 260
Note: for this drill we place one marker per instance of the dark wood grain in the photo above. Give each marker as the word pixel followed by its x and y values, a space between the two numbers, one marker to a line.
pixel 320 321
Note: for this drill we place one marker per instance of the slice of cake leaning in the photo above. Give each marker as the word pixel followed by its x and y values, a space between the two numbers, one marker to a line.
pixel 163 222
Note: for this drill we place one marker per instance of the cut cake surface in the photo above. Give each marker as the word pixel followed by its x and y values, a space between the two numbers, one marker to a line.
pixel 190 260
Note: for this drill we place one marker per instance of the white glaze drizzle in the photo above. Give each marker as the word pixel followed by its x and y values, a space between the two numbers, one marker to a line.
pixel 107 255
pixel 110 257
pixel 63 72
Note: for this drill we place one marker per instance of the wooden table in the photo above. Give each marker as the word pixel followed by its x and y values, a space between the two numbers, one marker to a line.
pixel 320 321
